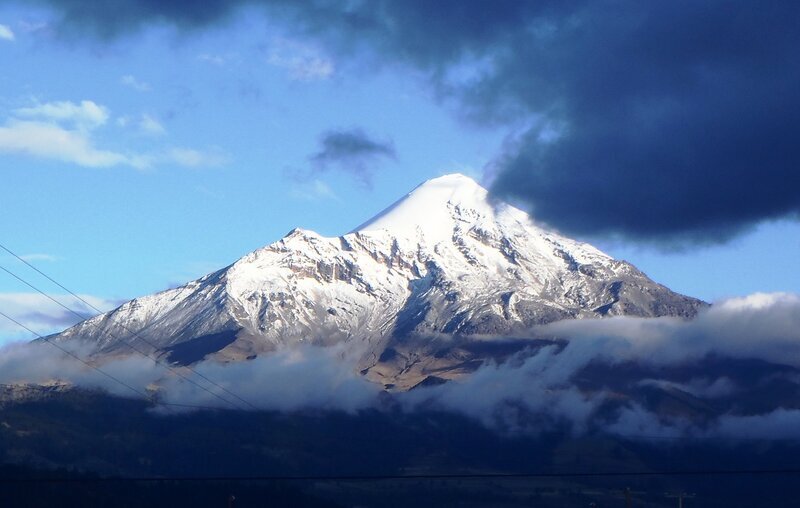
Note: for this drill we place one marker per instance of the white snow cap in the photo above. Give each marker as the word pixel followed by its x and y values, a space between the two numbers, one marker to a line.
pixel 429 208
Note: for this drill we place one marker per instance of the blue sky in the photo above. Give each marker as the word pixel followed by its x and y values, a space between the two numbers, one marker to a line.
pixel 162 155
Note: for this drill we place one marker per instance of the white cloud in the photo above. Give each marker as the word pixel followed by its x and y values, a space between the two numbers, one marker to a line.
pixel 699 387
pixel 301 62
pixel 762 326
pixel 191 158
pixel 39 257
pixel 288 380
pixel 179 156
pixel 131 82
pixel 43 315
pixel 51 141
pixel 150 125
pixel 312 190
pixel 5 33
pixel 306 377
pixel 86 114
pixel 146 124
pixel 494 394
pixel 781 423
pixel 32 26
pixel 216 59
pixel 537 388
pixel 534 390
pixel 65 131
pixel 44 363
pixel 213 59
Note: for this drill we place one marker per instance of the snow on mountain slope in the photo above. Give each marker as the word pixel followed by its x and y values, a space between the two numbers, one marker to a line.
pixel 442 260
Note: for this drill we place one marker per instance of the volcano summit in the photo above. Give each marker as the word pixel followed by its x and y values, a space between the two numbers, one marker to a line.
pixel 443 261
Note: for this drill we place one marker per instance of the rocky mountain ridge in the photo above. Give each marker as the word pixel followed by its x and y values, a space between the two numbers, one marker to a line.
pixel 443 260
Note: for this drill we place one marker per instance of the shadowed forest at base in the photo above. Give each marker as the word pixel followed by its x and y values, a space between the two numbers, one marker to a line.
pixel 82 437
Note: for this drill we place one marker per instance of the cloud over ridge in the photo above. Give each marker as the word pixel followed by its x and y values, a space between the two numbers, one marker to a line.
pixel 734 351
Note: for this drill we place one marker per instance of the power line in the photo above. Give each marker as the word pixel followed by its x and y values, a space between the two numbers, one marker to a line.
pixel 133 332
pixel 357 478
pixel 210 381
pixel 698 439
pixel 122 325
pixel 443 476
pixel 81 316
pixel 155 360
pixel 142 394
pixel 76 357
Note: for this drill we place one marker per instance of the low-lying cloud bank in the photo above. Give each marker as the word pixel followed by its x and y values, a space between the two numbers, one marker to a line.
pixel 291 380
pixel 763 326
pixel 537 391
pixel 732 372
pixel 303 378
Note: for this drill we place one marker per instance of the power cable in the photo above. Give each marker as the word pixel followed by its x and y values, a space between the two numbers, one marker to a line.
pixel 202 376
pixel 151 400
pixel 147 398
pixel 155 360
pixel 76 357
pixel 443 476
pixel 122 325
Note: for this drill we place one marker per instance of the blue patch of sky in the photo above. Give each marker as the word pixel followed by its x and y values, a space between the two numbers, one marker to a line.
pixel 240 96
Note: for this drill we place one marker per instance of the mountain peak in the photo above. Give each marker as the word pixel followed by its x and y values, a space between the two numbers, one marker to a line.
pixel 430 208
pixel 444 259
pixel 451 188
pixel 452 179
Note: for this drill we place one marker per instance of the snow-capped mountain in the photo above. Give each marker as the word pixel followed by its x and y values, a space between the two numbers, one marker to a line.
pixel 444 259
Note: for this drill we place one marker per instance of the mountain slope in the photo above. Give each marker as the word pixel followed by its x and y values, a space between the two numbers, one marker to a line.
pixel 442 260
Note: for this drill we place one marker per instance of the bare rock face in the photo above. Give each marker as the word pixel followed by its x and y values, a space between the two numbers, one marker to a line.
pixel 26 392
pixel 444 260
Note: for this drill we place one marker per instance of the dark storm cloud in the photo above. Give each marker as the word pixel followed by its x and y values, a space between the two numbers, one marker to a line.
pixel 112 18
pixel 664 122
pixel 351 151
pixel 651 120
